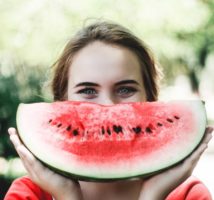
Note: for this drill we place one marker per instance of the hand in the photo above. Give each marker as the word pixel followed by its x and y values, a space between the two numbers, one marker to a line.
pixel 59 187
pixel 165 182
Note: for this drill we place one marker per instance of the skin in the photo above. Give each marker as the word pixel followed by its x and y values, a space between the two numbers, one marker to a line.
pixel 107 74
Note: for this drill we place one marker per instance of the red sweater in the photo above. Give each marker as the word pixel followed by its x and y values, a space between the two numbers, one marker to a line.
pixel 24 189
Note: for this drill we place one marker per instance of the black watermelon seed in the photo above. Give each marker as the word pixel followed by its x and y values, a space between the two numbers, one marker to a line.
pixel 137 129
pixel 159 124
pixel 169 120
pixel 50 121
pixel 108 131
pixel 103 130
pixel 151 126
pixel 59 125
pixel 117 129
pixel 148 130
pixel 176 117
pixel 68 128
pixel 75 132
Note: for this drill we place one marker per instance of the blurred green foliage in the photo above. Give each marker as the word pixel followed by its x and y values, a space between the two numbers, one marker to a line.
pixel 14 88
pixel 180 33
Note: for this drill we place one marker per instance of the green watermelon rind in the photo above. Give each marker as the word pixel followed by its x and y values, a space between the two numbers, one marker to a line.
pixel 87 177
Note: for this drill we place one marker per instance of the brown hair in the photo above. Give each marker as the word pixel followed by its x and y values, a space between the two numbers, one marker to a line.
pixel 109 33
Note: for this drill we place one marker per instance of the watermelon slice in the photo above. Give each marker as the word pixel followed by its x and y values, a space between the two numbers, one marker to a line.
pixel 88 141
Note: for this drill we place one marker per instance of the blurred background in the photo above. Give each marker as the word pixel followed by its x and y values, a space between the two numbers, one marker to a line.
pixel 33 33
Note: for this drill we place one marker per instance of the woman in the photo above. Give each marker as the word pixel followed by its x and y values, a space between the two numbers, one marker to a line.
pixel 106 64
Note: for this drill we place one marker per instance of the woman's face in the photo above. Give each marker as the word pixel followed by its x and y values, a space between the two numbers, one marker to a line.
pixel 105 74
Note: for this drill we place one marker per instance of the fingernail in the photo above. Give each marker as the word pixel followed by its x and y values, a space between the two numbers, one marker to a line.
pixel 9 131
pixel 209 129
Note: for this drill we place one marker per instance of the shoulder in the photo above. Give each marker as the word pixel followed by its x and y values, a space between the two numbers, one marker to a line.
pixel 191 189
pixel 24 188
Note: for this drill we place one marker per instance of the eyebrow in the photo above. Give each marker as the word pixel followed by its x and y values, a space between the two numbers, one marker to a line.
pixel 127 82
pixel 86 84
pixel 118 83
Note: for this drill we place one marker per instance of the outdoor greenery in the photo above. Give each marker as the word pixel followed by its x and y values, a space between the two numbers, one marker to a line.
pixel 33 33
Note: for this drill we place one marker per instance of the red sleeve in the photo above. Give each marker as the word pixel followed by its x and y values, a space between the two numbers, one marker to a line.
pixel 191 189
pixel 24 189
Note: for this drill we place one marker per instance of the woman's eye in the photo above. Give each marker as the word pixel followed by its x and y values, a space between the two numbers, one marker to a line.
pixel 88 93
pixel 126 91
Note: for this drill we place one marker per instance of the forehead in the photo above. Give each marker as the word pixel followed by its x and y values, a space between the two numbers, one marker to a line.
pixel 100 62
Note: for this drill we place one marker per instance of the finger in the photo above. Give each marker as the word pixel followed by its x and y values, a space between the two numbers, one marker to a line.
pixel 15 140
pixel 26 154
pixel 195 156
pixel 209 129
pixel 202 146
pixel 30 172
pixel 22 151
pixel 28 160
pixel 206 138
pixel 32 163
pixel 14 137
pixel 12 131
pixel 37 171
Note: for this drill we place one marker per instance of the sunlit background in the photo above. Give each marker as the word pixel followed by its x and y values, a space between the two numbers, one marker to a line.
pixel 33 33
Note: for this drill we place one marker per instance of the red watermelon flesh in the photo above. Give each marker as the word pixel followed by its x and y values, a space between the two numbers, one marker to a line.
pixel 92 141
